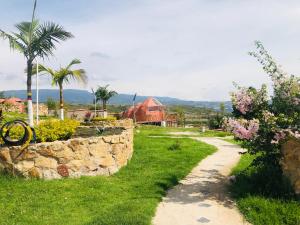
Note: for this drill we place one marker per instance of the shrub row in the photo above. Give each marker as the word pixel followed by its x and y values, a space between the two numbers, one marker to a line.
pixel 49 130
pixel 52 130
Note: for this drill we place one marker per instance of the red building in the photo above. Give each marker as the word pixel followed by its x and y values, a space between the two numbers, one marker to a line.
pixel 13 104
pixel 151 111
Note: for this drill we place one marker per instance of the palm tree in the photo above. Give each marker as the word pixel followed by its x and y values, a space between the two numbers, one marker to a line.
pixel 62 76
pixel 103 94
pixel 35 40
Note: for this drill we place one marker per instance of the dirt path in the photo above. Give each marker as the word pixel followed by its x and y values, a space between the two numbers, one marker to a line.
pixel 201 197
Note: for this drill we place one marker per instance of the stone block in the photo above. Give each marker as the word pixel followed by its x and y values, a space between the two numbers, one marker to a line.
pixel 24 166
pixel 45 163
pixel 290 162
pixel 5 156
pixel 34 173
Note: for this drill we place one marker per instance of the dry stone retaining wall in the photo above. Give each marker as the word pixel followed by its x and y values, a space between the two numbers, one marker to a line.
pixel 290 162
pixel 101 155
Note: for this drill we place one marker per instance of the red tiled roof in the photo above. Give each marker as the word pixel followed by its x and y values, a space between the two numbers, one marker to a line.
pixel 151 110
pixel 13 100
pixel 18 103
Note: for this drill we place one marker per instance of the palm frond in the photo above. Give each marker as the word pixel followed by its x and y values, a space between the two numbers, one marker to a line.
pixel 14 42
pixel 27 28
pixel 73 62
pixel 80 75
pixel 43 70
pixel 102 93
pixel 46 36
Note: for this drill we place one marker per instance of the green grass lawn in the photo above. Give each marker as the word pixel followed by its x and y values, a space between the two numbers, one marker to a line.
pixel 165 131
pixel 263 199
pixel 129 197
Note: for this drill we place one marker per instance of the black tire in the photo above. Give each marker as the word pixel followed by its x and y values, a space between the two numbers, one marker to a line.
pixel 5 135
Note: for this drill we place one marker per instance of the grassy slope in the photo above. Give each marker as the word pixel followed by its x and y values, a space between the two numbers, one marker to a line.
pixel 129 197
pixel 258 207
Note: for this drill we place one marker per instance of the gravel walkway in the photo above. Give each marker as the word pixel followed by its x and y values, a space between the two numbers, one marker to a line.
pixel 201 198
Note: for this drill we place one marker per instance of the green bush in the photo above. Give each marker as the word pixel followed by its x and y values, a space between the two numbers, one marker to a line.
pixel 215 122
pixel 109 118
pixel 15 133
pixel 48 130
pixel 52 130
pixel 175 146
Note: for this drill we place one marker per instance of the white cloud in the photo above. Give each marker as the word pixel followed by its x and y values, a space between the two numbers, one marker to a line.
pixel 189 49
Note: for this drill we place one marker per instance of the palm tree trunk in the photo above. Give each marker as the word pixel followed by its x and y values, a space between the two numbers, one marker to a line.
pixel 61 102
pixel 103 105
pixel 104 109
pixel 29 93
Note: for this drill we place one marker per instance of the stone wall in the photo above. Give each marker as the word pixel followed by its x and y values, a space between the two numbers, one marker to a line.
pixel 290 162
pixel 100 155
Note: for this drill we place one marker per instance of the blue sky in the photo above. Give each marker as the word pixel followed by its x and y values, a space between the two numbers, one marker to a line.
pixel 190 49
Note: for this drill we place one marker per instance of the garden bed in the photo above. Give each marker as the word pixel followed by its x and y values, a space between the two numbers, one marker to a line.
pixel 88 156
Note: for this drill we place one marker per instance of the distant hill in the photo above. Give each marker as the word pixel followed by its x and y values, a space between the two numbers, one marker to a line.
pixel 85 97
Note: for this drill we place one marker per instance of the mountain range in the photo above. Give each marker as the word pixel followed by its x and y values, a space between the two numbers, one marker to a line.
pixel 76 96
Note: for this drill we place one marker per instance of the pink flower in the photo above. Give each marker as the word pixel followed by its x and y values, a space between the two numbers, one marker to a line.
pixel 244 129
pixel 278 137
pixel 242 101
pixel 281 135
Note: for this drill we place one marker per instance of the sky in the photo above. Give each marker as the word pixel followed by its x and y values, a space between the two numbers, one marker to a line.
pixel 189 49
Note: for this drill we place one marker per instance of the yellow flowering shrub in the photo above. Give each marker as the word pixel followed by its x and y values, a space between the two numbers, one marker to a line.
pixel 52 130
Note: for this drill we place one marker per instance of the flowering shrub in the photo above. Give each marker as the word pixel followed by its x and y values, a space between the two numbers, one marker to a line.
pixel 243 129
pixel 49 130
pixel 263 122
pixel 52 130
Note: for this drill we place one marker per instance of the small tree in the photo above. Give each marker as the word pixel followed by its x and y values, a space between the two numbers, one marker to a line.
pixel 62 76
pixel 181 115
pixel 35 40
pixel 103 94
pixel 216 121
pixel 51 104
pixel 2 95
pixel 263 123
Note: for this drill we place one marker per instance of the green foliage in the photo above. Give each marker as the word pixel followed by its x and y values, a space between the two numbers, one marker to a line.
pixel 15 133
pixel 213 133
pixel 127 198
pixel 49 130
pixel 64 75
pixel 215 121
pixel 51 104
pixel 263 195
pixel 175 146
pixel 261 124
pixel 34 39
pixel 181 115
pixel 108 118
pixel 2 95
pixel 52 130
pixel 222 108
pixel 103 94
